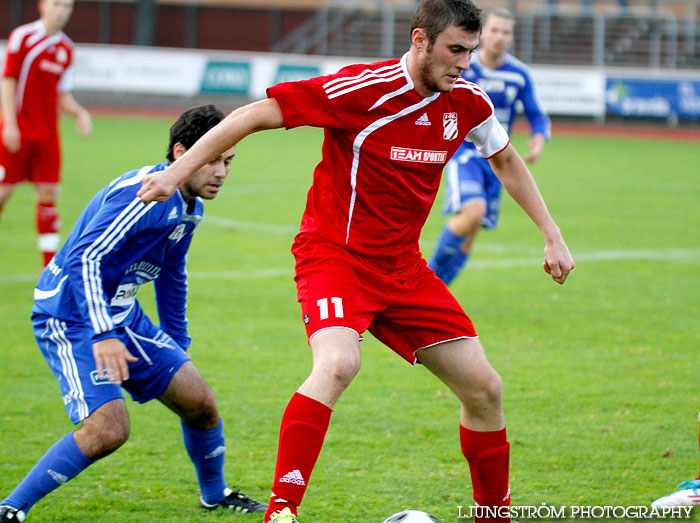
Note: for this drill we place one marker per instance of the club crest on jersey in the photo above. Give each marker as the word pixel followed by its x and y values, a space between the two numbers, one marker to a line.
pixel 178 233
pixel 449 124
pixel 61 55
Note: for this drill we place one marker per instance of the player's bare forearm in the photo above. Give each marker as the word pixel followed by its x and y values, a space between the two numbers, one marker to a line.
pixel 68 104
pixel 8 105
pixel 516 178
pixel 258 116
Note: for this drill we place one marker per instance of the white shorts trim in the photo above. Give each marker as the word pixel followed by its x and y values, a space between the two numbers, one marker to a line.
pixel 359 338
pixel 415 359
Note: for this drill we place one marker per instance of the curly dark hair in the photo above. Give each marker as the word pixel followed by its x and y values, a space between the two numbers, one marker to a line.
pixel 192 125
pixel 434 16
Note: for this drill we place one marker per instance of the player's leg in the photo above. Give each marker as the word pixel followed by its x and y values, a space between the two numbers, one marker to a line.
pixel 96 403
pixel 466 203
pixel 11 173
pixel 191 398
pixel 104 431
pixel 44 171
pixel 462 365
pixel 336 361
pixel 5 192
pixel 47 220
pixel 426 324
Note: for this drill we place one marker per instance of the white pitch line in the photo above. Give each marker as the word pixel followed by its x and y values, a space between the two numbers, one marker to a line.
pixel 251 226
pixel 691 256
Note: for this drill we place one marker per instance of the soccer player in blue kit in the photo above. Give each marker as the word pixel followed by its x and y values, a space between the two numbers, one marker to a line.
pixel 97 340
pixel 473 190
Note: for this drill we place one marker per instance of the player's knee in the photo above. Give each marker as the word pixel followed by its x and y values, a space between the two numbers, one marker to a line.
pixel 342 367
pixel 487 393
pixel 98 440
pixel 204 413
pixel 115 436
pixel 469 217
pixel 474 210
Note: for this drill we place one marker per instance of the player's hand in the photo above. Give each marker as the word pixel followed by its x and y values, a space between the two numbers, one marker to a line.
pixel 84 124
pixel 536 145
pixel 558 262
pixel 111 360
pixel 157 187
pixel 11 138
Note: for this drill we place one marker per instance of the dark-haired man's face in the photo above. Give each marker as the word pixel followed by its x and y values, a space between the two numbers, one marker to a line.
pixel 442 62
pixel 208 180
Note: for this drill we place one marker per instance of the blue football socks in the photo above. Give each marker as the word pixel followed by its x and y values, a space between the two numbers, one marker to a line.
pixel 207 450
pixel 448 260
pixel 61 463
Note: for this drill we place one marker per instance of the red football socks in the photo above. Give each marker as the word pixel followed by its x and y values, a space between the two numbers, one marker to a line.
pixel 303 429
pixel 488 456
pixel 47 224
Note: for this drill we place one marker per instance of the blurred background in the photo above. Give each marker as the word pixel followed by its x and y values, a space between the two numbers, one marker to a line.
pixel 634 60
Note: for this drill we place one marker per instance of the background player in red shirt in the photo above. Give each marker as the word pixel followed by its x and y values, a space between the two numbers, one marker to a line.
pixel 389 129
pixel 36 84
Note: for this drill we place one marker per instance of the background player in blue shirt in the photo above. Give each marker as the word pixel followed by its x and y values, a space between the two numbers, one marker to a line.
pixel 473 190
pixel 97 339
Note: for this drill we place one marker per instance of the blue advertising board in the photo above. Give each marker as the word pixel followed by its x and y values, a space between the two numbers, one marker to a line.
pixel 651 98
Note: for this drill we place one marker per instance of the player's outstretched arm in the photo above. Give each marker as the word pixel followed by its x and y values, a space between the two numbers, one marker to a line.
pixel 516 178
pixel 258 116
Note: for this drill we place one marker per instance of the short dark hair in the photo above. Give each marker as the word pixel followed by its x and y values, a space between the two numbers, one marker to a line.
pixel 434 16
pixel 192 125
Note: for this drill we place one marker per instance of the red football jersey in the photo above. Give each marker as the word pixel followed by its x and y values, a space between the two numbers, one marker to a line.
pixel 39 63
pixel 384 150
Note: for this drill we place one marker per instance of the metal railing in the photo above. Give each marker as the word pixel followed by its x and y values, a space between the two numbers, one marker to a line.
pixel 637 36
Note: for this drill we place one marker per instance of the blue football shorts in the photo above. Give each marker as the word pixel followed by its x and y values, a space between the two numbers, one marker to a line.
pixel 67 348
pixel 469 176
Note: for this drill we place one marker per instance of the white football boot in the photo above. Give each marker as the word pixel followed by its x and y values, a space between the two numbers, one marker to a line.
pixel 687 495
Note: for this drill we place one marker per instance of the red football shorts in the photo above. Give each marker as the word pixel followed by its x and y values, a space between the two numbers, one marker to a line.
pixel 37 161
pixel 406 310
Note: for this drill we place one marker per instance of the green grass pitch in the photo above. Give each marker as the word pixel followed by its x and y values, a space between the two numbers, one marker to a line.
pixel 600 375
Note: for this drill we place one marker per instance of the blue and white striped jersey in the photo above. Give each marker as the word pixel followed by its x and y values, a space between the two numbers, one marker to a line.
pixel 117 245
pixel 506 85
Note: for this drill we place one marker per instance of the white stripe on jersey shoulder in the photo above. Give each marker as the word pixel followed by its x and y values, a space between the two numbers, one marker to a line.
pixel 45 295
pixel 365 79
pixel 461 83
pixel 344 80
pixel 398 92
pixel 515 62
pixel 509 76
pixel 137 178
pixel 38 34
pixel 16 37
pixel 33 53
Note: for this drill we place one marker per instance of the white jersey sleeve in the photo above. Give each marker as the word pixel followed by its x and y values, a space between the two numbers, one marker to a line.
pixel 489 137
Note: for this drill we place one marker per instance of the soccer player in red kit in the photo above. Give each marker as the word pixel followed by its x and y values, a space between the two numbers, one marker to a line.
pixel 390 127
pixel 36 84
